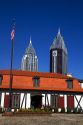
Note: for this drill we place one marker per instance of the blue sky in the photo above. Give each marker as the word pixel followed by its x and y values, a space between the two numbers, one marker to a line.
pixel 41 19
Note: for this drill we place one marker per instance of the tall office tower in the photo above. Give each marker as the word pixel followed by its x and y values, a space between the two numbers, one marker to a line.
pixel 30 60
pixel 58 55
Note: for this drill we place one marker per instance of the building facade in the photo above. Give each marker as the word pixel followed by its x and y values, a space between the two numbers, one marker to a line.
pixel 58 55
pixel 38 90
pixel 30 60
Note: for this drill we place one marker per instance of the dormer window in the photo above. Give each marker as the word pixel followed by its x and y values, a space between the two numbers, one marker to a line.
pixel 36 81
pixel 69 83
pixel 1 78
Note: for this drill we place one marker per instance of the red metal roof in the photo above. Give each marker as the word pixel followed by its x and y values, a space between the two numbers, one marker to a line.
pixel 28 73
pixel 48 81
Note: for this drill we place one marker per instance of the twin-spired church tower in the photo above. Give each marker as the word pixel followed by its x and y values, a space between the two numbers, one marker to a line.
pixel 58 57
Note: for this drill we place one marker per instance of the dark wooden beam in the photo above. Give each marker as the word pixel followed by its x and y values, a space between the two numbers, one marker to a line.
pixel 22 100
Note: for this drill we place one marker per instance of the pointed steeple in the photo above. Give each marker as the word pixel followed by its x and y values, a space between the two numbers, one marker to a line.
pixel 59 42
pixel 30 40
pixel 58 55
pixel 59 31
pixel 30 48
pixel 30 60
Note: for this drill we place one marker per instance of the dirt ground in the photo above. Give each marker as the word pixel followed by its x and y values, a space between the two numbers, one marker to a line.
pixel 54 119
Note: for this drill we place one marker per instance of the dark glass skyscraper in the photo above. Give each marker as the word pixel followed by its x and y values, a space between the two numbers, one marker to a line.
pixel 58 55
pixel 30 60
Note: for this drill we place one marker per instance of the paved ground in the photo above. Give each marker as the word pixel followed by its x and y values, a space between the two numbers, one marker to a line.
pixel 55 119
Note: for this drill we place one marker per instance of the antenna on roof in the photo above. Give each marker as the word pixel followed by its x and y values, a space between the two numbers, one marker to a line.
pixel 59 31
pixel 30 40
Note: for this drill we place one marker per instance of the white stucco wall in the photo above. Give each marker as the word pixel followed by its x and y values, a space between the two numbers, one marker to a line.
pixel 2 100
pixel 28 100
pixel 43 99
pixel 65 101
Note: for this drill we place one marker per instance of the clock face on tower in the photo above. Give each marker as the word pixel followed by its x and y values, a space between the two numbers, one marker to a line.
pixel 54 53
